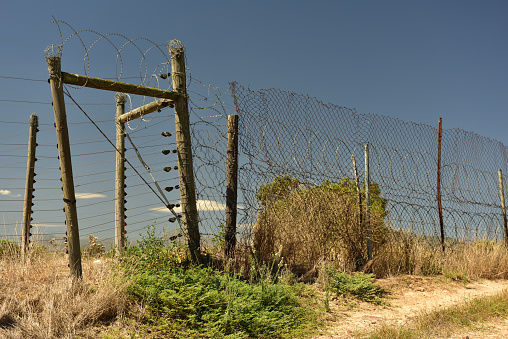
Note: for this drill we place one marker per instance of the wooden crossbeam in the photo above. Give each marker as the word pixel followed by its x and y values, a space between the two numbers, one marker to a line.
pixel 117 86
pixel 143 110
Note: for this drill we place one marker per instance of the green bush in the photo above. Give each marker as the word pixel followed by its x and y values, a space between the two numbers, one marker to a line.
pixel 9 248
pixel 185 300
pixel 358 285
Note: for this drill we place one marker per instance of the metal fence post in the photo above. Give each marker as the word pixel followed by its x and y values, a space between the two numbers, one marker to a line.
pixel 367 203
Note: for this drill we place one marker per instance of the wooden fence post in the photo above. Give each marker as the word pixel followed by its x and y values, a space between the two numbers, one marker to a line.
pixel 367 203
pixel 30 173
pixel 183 145
pixel 120 99
pixel 231 186
pixel 439 205
pixel 503 205
pixel 53 58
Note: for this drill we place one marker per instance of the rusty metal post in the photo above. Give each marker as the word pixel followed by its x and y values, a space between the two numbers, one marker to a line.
pixel 440 206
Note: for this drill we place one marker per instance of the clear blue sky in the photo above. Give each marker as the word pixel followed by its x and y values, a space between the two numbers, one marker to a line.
pixel 412 60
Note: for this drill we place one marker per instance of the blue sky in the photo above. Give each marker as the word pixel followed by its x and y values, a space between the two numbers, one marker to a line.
pixel 412 60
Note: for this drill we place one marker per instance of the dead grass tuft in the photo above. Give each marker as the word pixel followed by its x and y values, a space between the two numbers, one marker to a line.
pixel 40 300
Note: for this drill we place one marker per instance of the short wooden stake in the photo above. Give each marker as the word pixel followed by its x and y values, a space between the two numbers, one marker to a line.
pixel 367 203
pixel 231 186
pixel 503 204
pixel 29 185
pixel 183 145
pixel 53 58
pixel 120 99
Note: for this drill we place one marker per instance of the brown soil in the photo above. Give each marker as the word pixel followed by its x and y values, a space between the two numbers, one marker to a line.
pixel 412 296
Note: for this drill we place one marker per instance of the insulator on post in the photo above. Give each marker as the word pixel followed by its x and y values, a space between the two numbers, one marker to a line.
pixel 35 181
pixel 167 169
pixel 63 209
pixel 36 144
pixel 32 204
pixel 67 252
pixel 35 159
pixel 35 174
pixel 165 76
pixel 177 187
pixel 174 151
pixel 125 201
pixel 176 167
pixel 124 185
pixel 124 194
pixel 172 219
pixel 166 134
pixel 30 234
pixel 166 151
pixel 33 196
pixel 168 189
pixel 125 217
pixel 177 205
pixel 124 209
pixel 31 219
pixel 171 205
pixel 37 130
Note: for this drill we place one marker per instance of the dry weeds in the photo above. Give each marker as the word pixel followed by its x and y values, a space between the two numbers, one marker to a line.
pixel 40 300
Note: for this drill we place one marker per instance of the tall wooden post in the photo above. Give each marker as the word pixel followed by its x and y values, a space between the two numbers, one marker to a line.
pixel 29 185
pixel 231 186
pixel 120 175
pixel 503 205
pixel 367 203
pixel 183 145
pixel 53 58
pixel 439 205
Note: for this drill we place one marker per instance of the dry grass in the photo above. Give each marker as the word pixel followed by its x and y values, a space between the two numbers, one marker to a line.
pixel 40 300
pixel 316 225
pixel 408 254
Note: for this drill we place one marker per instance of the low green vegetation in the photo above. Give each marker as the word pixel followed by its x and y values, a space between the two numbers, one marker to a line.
pixel 359 286
pixel 186 300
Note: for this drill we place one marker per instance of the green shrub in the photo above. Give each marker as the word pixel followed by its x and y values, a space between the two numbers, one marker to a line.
pixel 358 285
pixel 9 248
pixel 185 300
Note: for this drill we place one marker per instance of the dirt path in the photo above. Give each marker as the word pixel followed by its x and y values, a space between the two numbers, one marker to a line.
pixel 412 296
